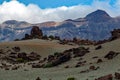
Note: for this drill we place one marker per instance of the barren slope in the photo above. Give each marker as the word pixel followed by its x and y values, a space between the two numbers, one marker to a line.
pixel 61 73
pixel 42 47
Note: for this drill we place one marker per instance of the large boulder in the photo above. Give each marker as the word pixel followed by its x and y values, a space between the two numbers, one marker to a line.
pixel 38 78
pixel 36 32
pixel 61 59
pixel 33 56
pixel 57 59
pixel 36 65
pixel 79 52
pixel 98 47
pixel 99 60
pixel 16 49
pixel 111 55
pixel 22 55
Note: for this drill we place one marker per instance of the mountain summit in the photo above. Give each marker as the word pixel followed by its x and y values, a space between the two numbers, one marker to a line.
pixel 98 16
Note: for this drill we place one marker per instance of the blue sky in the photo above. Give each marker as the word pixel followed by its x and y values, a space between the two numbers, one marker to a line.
pixel 57 3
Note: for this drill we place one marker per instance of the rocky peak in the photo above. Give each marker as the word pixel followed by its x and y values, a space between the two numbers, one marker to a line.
pixel 98 16
pixel 10 22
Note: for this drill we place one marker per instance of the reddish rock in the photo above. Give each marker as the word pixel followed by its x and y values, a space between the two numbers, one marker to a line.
pixel 99 61
pixel 81 51
pixel 95 57
pixel 33 56
pixel 98 47
pixel 36 32
pixel 84 71
pixel 7 68
pixel 13 55
pixel 37 65
pixel 84 62
pixel 80 64
pixel 92 68
pixel 111 55
pixel 107 77
pixel 67 66
pixel 117 75
pixel 38 78
pixel 50 58
pixel 15 67
pixel 22 55
pixel 90 63
pixel 16 49
pixel 77 65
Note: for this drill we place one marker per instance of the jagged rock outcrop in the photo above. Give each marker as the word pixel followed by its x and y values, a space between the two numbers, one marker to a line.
pixel 36 32
pixel 115 34
pixel 111 55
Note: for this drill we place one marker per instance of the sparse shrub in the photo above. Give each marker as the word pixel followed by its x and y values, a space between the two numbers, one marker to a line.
pixel 20 60
pixel 45 37
pixel 48 65
pixel 71 78
pixel 51 37
pixel 56 54
pixel 16 40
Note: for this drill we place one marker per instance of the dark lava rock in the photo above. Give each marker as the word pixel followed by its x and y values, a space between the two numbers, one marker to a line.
pixel 107 77
pixel 111 55
pixel 36 32
pixel 117 75
pixel 99 60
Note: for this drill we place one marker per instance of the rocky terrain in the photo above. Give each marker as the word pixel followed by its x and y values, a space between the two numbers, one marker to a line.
pixel 36 57
pixel 100 62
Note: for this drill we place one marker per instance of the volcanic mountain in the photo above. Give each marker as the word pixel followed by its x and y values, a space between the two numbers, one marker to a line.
pixel 95 26
pixel 98 16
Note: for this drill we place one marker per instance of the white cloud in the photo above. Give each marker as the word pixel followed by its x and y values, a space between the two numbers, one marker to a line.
pixel 14 10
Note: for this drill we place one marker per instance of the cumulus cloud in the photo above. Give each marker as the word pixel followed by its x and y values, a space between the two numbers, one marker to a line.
pixel 14 10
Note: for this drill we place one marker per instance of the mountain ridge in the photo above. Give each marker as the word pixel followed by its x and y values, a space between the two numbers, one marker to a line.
pixel 95 26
